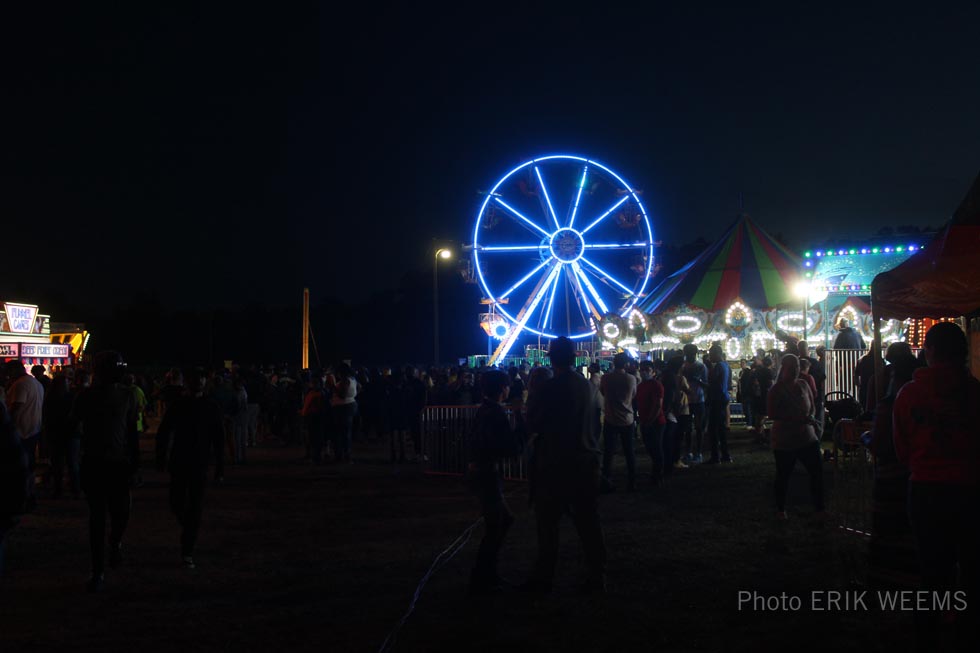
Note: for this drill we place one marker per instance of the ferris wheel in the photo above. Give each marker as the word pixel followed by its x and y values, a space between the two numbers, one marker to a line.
pixel 559 242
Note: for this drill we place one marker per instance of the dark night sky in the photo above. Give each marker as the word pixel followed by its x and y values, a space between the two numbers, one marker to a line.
pixel 230 156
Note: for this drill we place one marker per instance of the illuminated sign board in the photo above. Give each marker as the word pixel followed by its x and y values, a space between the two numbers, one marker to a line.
pixel 8 350
pixel 45 351
pixel 851 271
pixel 20 317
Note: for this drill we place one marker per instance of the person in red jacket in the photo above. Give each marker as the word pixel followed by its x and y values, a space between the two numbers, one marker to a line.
pixel 650 406
pixel 936 430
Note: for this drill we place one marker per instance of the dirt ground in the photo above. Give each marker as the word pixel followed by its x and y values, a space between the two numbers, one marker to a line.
pixel 295 558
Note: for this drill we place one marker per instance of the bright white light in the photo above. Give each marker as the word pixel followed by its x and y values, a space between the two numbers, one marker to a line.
pixel 636 319
pixel 684 324
pixel 794 322
pixel 818 294
pixel 733 348
pixel 740 312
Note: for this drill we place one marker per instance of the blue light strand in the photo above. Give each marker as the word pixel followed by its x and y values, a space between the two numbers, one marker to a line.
pixel 528 312
pixel 518 214
pixel 604 215
pixel 615 245
pixel 605 275
pixel 513 248
pixel 595 295
pixel 551 301
pixel 529 275
pixel 544 189
pixel 578 197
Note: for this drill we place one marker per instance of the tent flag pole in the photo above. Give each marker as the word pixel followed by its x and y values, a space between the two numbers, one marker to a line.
pixel 879 389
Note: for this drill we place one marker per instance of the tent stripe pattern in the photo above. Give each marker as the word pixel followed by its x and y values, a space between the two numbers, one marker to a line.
pixel 745 263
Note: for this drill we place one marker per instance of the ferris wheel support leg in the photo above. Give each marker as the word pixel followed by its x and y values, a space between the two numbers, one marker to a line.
pixel 539 292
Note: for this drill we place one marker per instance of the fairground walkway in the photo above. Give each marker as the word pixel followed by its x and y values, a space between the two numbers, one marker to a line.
pixel 299 558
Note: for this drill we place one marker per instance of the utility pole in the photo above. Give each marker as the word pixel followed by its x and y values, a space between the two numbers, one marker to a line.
pixel 306 329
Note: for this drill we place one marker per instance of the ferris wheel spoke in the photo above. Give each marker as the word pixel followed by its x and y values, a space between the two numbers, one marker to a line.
pixel 605 276
pixel 521 217
pixel 606 214
pixel 578 196
pixel 551 300
pixel 582 299
pixel 526 313
pixel 512 248
pixel 524 280
pixel 595 295
pixel 615 245
pixel 547 198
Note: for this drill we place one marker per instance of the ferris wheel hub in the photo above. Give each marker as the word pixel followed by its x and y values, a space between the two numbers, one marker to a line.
pixel 567 245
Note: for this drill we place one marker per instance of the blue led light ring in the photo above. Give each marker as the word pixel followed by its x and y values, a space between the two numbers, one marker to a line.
pixel 547 246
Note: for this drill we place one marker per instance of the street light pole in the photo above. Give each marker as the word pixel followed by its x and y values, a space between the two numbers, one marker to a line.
pixel 445 254
pixel 806 309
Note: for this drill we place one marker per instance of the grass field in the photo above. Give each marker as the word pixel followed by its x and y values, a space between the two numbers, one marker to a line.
pixel 293 557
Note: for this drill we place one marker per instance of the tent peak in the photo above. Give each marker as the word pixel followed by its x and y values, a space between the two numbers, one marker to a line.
pixel 968 211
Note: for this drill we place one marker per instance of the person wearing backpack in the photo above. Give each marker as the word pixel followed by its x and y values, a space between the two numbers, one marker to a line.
pixel 13 478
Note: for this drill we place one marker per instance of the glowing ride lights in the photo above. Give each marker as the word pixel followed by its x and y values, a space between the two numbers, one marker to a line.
pixel 663 340
pixel 738 316
pixel 578 258
pixel 610 331
pixel 636 320
pixel 763 340
pixel 794 322
pixel 494 325
pixel 853 251
pixel 733 348
pixel 684 324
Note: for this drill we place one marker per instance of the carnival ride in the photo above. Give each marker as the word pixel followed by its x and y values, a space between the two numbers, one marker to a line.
pixel 560 243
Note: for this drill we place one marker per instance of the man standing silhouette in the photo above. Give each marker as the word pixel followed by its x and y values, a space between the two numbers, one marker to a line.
pixel 565 468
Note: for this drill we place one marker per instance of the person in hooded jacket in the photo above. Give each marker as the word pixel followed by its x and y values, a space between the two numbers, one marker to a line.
pixel 936 430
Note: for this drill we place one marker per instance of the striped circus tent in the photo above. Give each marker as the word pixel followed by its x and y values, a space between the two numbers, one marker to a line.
pixel 745 264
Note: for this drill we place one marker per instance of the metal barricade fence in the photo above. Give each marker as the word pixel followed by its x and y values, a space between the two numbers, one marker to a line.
pixel 839 368
pixel 445 432
pixel 853 477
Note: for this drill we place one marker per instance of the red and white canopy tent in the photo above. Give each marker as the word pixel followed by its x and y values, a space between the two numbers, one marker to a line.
pixel 943 280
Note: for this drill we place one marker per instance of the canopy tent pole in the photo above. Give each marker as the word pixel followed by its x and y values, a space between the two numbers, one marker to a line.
pixel 879 388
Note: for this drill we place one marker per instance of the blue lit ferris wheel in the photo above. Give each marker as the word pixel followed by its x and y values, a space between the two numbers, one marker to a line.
pixel 559 242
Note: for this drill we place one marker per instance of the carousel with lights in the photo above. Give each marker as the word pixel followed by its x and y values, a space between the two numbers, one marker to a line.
pixel 743 293
pixel 562 246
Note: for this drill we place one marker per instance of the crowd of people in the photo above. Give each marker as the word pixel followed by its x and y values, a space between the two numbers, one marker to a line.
pixel 89 421
pixel 207 417
pixel 926 445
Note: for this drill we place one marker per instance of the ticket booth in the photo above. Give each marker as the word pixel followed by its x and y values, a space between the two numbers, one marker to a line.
pixel 25 335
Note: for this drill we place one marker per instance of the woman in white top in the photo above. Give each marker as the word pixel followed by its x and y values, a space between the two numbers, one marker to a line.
pixel 343 403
